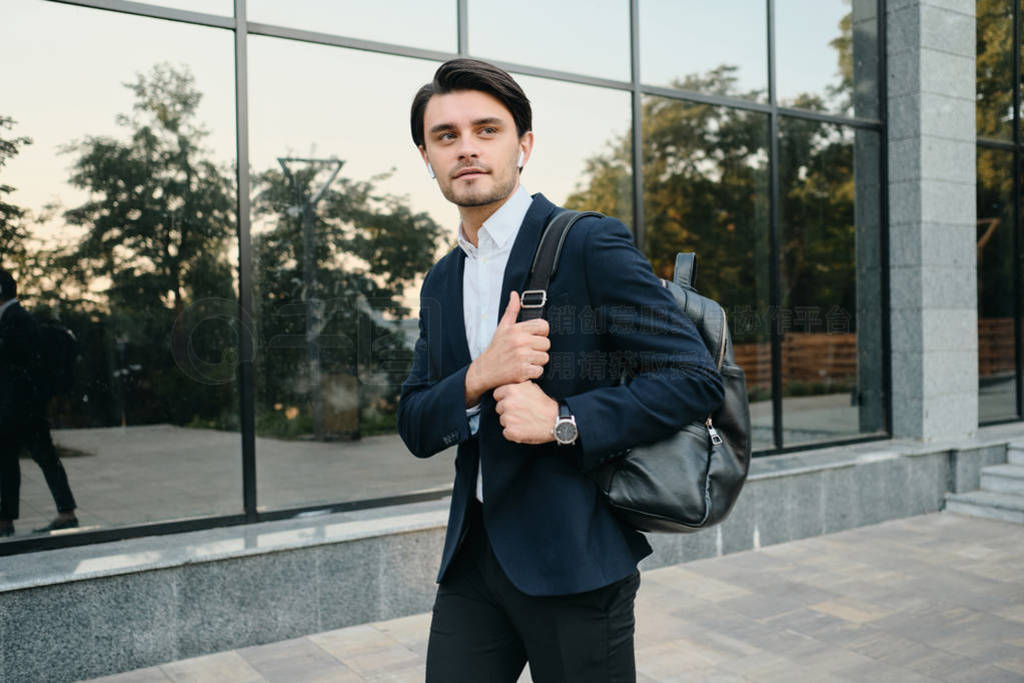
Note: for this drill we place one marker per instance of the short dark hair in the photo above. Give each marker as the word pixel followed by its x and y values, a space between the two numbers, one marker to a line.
pixel 472 74
pixel 8 287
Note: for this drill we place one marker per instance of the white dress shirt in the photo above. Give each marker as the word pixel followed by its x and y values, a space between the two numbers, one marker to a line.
pixel 481 284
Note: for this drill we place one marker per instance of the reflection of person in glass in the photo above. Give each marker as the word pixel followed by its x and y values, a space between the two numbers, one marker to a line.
pixel 25 390
pixel 535 565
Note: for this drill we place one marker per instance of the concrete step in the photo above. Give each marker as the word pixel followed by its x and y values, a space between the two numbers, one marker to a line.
pixel 1005 506
pixel 1003 479
pixel 1015 453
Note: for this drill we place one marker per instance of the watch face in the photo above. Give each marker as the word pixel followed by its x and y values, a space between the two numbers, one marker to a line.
pixel 565 431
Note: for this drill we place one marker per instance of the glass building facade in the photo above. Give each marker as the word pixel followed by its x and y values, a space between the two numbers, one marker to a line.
pixel 997 115
pixel 223 204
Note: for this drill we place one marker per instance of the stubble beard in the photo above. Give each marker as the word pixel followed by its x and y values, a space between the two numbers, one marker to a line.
pixel 472 197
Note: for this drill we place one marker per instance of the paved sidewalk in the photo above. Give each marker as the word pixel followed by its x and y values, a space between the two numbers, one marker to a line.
pixel 933 598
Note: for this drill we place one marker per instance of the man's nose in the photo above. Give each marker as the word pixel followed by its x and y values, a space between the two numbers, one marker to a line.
pixel 467 147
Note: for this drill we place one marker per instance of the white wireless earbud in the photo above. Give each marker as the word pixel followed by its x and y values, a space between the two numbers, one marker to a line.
pixel 430 170
pixel 521 155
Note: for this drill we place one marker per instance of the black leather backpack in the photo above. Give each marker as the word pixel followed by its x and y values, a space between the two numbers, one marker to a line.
pixel 691 480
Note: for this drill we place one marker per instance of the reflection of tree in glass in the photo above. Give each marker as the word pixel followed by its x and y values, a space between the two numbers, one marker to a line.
pixel 705 188
pixel 994 66
pixel 155 235
pixel 368 248
pixel 12 229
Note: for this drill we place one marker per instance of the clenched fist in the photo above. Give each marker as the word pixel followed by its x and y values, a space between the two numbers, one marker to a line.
pixel 517 352
pixel 527 414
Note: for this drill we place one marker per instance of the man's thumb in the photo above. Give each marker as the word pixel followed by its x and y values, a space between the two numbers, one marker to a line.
pixel 512 310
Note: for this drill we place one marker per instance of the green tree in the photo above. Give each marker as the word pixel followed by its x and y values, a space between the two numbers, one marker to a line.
pixel 155 235
pixel 160 212
pixel 12 227
pixel 367 249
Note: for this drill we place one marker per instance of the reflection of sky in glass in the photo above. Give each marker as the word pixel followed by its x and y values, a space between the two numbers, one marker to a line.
pixel 584 36
pixel 428 24
pixel 84 56
pixel 682 38
pixel 292 113
pixel 805 62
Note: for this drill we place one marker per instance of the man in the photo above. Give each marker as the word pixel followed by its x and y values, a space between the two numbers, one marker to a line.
pixel 25 391
pixel 535 565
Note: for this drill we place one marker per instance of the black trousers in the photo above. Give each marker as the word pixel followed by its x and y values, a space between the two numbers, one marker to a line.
pixel 33 433
pixel 485 630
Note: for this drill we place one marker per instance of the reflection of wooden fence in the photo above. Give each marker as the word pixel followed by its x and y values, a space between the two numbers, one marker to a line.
pixel 995 346
pixel 808 357
pixel 823 357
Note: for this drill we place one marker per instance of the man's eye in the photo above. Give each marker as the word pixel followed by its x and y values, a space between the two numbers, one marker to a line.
pixel 447 136
pixel 489 130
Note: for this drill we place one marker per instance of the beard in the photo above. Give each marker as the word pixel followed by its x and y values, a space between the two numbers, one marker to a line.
pixel 480 196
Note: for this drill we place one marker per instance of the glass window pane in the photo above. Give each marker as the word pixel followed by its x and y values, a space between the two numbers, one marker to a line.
pixel 378 227
pixel 589 37
pixel 997 392
pixel 830 318
pixel 125 235
pixel 827 55
pixel 994 62
pixel 429 24
pixel 682 46
pixel 706 191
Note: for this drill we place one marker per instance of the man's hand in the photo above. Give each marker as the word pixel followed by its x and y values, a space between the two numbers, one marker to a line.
pixel 527 414
pixel 517 352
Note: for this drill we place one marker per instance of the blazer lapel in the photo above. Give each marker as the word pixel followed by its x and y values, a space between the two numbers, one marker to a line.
pixel 521 256
pixel 455 325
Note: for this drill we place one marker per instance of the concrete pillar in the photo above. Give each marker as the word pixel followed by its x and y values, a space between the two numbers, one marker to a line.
pixel 933 281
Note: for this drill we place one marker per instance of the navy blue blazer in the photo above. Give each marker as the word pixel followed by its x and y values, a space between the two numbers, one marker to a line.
pixel 547 522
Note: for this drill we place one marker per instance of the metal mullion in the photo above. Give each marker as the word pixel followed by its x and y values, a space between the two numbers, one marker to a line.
pixel 246 354
pixel 883 198
pixel 639 229
pixel 704 98
pixel 462 24
pixel 155 11
pixel 1018 288
pixel 992 143
pixel 289 33
pixel 32 544
pixel 774 269
pixel 852 121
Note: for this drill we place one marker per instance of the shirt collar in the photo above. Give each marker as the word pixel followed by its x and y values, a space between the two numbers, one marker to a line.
pixel 4 306
pixel 503 223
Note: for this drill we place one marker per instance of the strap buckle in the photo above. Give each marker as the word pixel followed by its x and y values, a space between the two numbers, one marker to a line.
pixel 541 293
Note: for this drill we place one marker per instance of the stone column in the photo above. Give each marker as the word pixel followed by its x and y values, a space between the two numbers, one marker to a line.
pixel 933 279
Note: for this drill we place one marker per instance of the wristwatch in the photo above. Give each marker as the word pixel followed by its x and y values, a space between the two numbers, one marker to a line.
pixel 565 426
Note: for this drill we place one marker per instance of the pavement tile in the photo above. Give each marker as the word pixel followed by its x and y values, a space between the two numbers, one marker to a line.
pixel 151 674
pixel 294 660
pixel 666 660
pixel 223 667
pixel 852 610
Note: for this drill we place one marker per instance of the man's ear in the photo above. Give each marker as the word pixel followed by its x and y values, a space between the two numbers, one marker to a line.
pixel 525 147
pixel 423 153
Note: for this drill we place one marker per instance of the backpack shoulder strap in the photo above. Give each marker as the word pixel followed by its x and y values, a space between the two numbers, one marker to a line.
pixel 685 274
pixel 545 262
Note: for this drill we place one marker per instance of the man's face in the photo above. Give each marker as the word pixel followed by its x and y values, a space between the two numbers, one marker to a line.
pixel 473 146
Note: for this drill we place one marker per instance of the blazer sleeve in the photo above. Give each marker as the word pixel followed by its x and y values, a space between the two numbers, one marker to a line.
pixel 431 409
pixel 672 378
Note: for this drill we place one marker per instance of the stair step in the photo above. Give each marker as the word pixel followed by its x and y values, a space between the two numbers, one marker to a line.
pixel 1003 478
pixel 1015 453
pixel 1003 506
